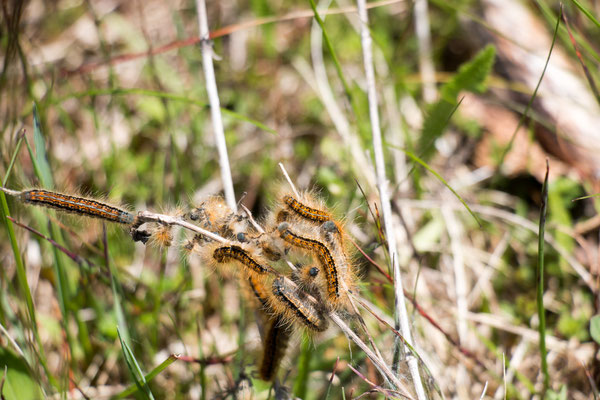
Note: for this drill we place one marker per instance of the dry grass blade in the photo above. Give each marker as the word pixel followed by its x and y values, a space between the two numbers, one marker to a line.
pixel 400 313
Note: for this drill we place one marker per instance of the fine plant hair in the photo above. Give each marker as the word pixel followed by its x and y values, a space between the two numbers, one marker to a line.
pixel 300 299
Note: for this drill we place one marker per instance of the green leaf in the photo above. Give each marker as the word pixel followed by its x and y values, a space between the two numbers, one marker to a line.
pixel 40 161
pixel 586 12
pixel 471 77
pixel 19 382
pixel 560 395
pixel 133 389
pixel 595 328
pixel 134 369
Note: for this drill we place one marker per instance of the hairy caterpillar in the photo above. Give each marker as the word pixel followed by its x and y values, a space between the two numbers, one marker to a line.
pixel 288 301
pixel 226 254
pixel 323 254
pixel 75 204
pixel 277 336
pixel 304 211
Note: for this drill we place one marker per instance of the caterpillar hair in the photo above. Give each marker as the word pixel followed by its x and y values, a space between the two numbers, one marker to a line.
pixel 75 204
pixel 215 215
pixel 288 302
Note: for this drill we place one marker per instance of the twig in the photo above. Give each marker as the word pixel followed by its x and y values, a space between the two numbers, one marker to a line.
pixel 251 219
pixel 384 370
pixel 147 216
pixel 400 313
pixel 288 179
pixel 375 387
pixel 215 106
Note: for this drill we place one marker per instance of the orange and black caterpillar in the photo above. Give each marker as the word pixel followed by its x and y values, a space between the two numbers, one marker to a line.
pixel 304 211
pixel 77 205
pixel 323 254
pixel 228 253
pixel 277 336
pixel 304 310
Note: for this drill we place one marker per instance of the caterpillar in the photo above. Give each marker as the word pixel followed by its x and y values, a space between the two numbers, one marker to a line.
pixel 305 310
pixel 77 205
pixel 277 336
pixel 259 290
pixel 228 253
pixel 322 252
pixel 304 211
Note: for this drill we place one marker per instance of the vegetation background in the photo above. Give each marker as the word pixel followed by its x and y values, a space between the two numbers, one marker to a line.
pixel 93 102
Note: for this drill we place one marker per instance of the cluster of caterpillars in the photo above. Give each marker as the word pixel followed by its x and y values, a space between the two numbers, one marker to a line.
pixel 298 229
pixel 299 235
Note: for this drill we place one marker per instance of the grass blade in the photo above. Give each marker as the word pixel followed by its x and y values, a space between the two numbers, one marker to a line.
pixel 524 116
pixel 586 12
pixel 331 50
pixel 540 282
pixel 134 368
pixel 301 382
pixel 131 390
pixel 40 161
pixel 20 267
pixel 439 177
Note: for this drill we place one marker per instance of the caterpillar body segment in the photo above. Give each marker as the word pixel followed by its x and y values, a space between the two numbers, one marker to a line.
pixel 77 205
pixel 306 208
pixel 253 264
pixel 260 291
pixel 276 338
pixel 321 252
pixel 295 306
pixel 305 211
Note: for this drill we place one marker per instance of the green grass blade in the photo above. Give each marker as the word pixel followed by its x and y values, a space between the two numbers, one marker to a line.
pixel 586 12
pixel 439 177
pixel 20 268
pixel 336 62
pixel 471 76
pixel 301 383
pixel 586 197
pixel 131 390
pixel 40 160
pixel 540 283
pixel 134 368
pixel 524 116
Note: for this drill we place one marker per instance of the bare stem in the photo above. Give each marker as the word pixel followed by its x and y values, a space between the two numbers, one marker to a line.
pixel 147 216
pixel 400 314
pixel 215 105
pixel 426 68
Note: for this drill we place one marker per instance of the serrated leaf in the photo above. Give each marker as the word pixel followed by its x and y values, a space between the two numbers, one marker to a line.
pixel 471 77
pixel 595 328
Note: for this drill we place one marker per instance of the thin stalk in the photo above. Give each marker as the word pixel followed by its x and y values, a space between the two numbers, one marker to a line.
pixel 215 105
pixel 401 321
pixel 540 283
pixel 426 69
